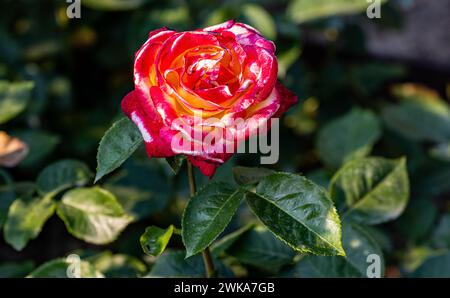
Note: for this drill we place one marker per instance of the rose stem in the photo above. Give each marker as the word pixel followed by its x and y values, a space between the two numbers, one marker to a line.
pixel 207 259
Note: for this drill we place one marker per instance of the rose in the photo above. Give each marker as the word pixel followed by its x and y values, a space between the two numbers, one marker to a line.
pixel 204 79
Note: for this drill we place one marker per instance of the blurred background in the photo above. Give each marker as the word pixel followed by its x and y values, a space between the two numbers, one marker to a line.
pixel 331 54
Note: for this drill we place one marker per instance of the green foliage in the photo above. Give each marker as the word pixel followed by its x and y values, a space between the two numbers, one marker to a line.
pixel 374 189
pixel 307 10
pixel 207 215
pixel 26 217
pixel 113 4
pixel 61 82
pixel 154 240
pixel 258 17
pixel 358 245
pixel 14 98
pixel 116 146
pixel 298 212
pixel 58 269
pixel 62 175
pixel 93 214
pixel 118 265
pixel 434 124
pixel 348 137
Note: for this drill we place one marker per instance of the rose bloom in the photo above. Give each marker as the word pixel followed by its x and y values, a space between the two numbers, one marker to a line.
pixel 191 84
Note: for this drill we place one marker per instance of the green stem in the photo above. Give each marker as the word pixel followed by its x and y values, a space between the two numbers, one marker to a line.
pixel 207 259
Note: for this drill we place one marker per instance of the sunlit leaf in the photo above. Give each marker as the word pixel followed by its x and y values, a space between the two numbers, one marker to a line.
pixel 298 212
pixel 93 215
pixel 26 217
pixel 154 240
pixel 375 189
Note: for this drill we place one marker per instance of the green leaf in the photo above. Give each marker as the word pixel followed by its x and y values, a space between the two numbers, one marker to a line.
pixel 176 162
pixel 358 245
pixel 298 212
pixel 434 115
pixel 14 98
pixel 208 214
pixel 93 215
pixel 16 270
pixel 62 175
pixel 302 11
pixel 26 217
pixel 118 265
pixel 59 268
pixel 246 175
pixel 114 5
pixel 154 240
pixel 348 137
pixel 375 189
pixel 260 248
pixel 174 264
pixel 116 146
pixel 259 18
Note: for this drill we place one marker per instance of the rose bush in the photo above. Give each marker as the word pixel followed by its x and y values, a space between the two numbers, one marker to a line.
pixel 200 81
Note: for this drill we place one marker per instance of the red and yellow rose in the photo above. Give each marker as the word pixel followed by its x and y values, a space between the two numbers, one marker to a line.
pixel 223 72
